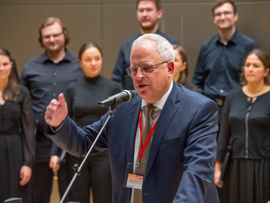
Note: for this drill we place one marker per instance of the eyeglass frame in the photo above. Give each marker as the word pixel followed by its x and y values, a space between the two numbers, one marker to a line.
pixel 54 36
pixel 129 71
pixel 225 13
pixel 147 10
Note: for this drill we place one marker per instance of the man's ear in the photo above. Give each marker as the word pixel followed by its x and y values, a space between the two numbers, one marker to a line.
pixel 170 66
pixel 236 17
pixel 160 13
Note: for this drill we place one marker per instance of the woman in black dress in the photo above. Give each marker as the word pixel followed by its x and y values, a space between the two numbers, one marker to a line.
pixel 245 125
pixel 16 134
pixel 82 98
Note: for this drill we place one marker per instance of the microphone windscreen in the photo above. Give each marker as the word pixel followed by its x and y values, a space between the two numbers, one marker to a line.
pixel 14 200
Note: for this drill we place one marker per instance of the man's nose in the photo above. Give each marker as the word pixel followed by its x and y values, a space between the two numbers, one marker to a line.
pixel 139 73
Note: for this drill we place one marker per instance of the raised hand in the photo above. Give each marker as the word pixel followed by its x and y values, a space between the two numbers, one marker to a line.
pixel 56 111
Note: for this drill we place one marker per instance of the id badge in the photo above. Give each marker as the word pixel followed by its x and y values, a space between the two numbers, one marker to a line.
pixel 134 176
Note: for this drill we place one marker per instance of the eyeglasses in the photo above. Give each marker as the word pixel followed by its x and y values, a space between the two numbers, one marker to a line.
pixel 145 69
pixel 147 10
pixel 225 13
pixel 54 36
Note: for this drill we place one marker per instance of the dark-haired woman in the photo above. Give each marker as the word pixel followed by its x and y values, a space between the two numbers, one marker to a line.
pixel 245 125
pixel 180 73
pixel 16 134
pixel 82 98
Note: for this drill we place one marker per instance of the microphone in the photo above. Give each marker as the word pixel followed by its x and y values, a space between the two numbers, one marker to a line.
pixel 124 96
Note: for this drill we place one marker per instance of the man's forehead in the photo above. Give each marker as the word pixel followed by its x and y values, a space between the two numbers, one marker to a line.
pixel 224 6
pixel 139 57
pixel 55 25
pixel 144 44
pixel 147 3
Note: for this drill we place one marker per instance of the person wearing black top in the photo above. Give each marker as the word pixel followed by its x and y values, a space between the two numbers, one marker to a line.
pixel 220 59
pixel 17 139
pixel 245 125
pixel 82 98
pixel 148 14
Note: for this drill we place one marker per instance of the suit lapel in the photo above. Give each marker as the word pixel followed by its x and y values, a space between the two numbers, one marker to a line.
pixel 133 124
pixel 168 112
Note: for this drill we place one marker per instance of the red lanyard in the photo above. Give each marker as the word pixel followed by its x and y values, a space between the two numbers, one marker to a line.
pixel 142 148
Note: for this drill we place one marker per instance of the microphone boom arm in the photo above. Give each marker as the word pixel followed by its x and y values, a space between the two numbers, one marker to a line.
pixel 78 169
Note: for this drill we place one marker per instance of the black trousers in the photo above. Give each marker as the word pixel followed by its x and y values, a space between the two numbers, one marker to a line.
pixel 95 174
pixel 43 178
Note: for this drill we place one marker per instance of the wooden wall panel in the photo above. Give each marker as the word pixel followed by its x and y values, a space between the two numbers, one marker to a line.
pixel 109 22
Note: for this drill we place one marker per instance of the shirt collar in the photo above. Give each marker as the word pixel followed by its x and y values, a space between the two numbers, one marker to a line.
pixel 44 57
pixel 232 41
pixel 160 103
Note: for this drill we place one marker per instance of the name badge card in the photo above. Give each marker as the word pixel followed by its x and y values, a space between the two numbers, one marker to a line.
pixel 134 181
pixel 134 176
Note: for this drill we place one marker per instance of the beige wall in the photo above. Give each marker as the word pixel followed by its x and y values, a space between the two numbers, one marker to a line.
pixel 109 22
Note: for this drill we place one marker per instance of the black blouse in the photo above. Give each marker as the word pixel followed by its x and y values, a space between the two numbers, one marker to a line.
pixel 16 118
pixel 247 124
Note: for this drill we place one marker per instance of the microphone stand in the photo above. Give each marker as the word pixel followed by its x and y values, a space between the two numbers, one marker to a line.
pixel 78 169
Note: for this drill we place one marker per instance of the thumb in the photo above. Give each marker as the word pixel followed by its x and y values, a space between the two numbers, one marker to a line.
pixel 61 98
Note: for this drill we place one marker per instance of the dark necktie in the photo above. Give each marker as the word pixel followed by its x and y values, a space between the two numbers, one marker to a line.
pixel 147 128
pixel 151 113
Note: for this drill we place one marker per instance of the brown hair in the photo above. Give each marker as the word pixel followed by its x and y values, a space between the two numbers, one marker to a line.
pixel 12 90
pixel 184 74
pixel 263 57
pixel 220 3
pixel 86 46
pixel 157 2
pixel 50 21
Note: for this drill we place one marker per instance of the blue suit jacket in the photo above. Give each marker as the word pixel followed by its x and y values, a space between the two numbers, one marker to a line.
pixel 181 160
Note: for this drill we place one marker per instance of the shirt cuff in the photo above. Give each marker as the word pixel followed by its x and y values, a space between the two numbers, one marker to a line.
pixel 54 130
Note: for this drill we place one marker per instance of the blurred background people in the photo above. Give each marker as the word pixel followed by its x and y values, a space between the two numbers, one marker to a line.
pixel 82 98
pixel 245 125
pixel 16 134
pixel 181 68
pixel 46 76
pixel 148 14
pixel 220 59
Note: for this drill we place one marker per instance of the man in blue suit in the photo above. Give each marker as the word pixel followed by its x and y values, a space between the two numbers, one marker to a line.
pixel 182 150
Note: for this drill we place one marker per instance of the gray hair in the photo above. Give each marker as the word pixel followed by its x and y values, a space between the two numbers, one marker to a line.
pixel 164 47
